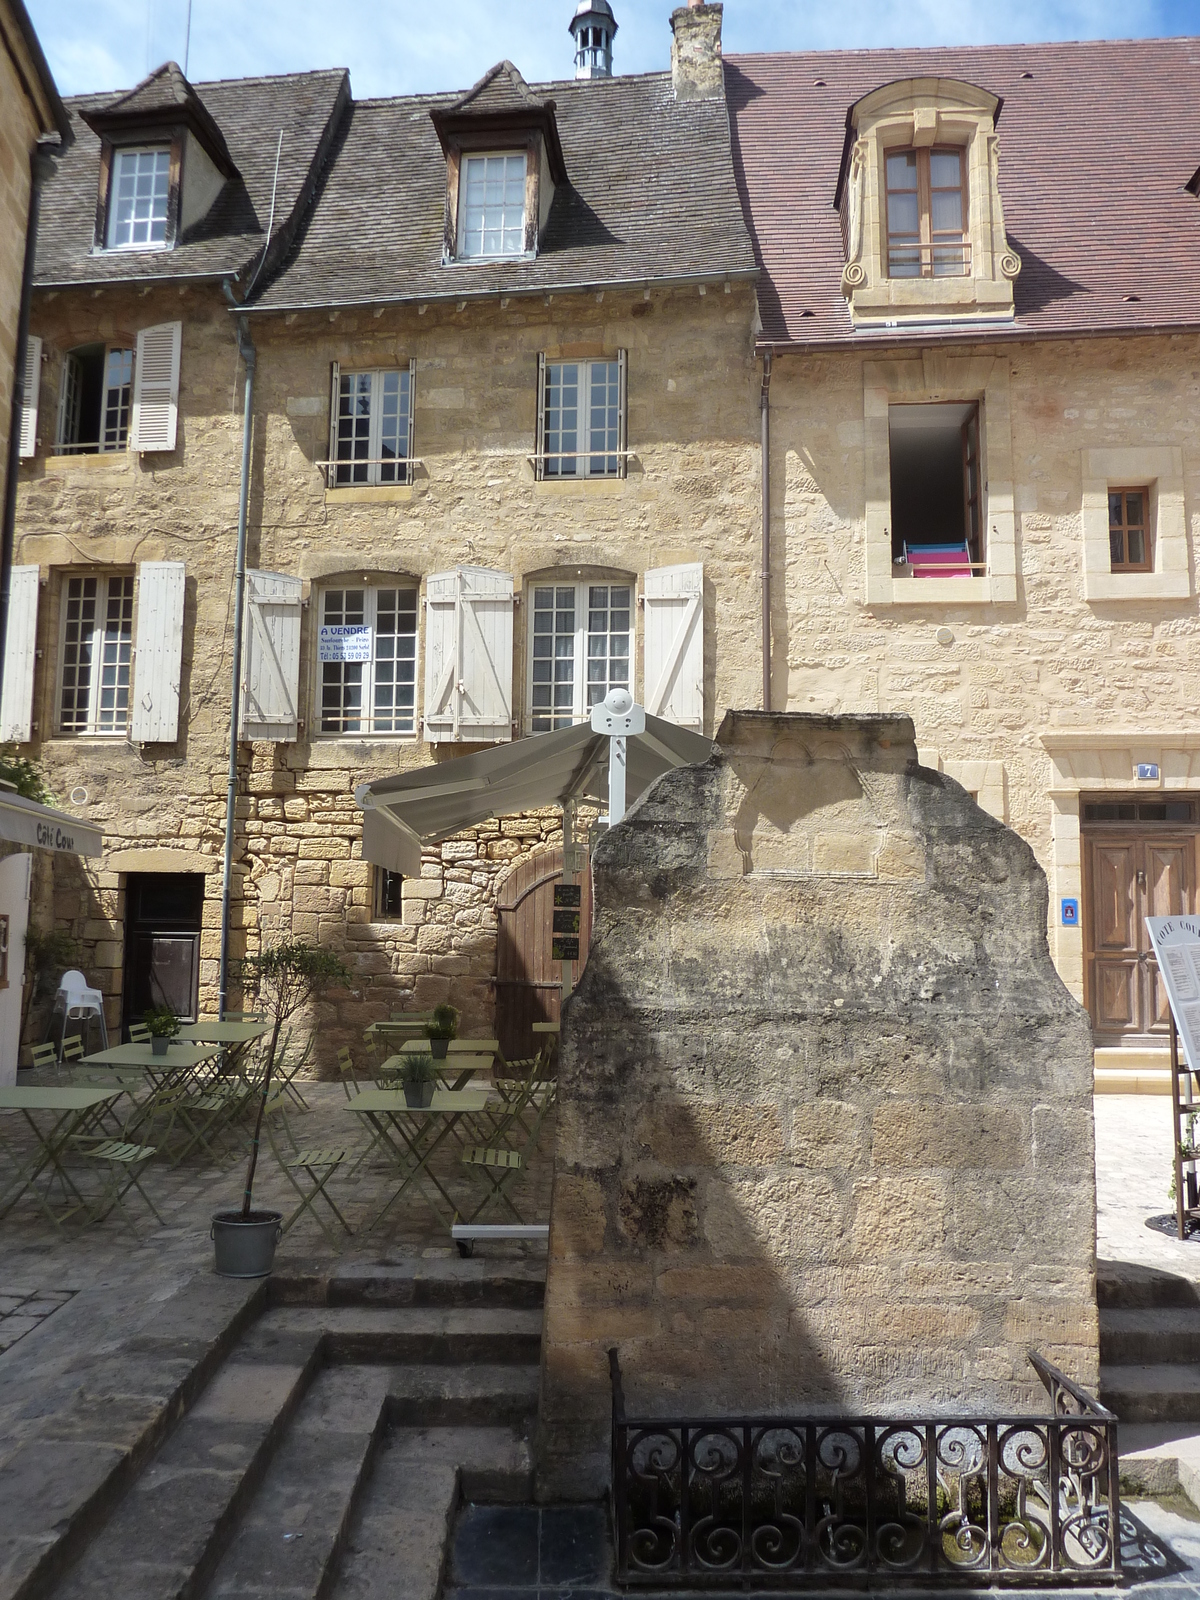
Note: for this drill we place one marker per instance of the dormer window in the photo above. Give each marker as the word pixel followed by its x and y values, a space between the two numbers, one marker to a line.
pixel 492 205
pixel 137 212
pixel 926 214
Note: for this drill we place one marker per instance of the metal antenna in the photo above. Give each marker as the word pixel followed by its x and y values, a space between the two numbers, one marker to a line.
pixel 187 38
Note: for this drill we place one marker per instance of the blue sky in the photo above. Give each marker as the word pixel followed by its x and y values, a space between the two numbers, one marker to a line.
pixel 400 46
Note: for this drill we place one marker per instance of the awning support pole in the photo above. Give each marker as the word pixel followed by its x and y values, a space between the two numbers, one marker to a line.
pixel 616 778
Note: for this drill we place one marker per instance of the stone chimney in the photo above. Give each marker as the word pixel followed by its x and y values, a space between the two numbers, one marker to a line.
pixel 696 70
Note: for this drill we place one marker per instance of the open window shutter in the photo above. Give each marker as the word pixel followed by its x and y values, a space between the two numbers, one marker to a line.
pixel 20 652
pixel 539 448
pixel 156 387
pixel 622 407
pixel 412 415
pixel 159 645
pixel 335 388
pixel 29 401
pixel 271 657
pixel 674 654
pixel 468 656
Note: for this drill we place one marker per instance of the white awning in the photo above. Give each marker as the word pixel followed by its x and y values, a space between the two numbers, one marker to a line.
pixel 26 822
pixel 546 769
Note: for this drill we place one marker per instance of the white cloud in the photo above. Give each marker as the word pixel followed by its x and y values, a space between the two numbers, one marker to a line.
pixel 402 46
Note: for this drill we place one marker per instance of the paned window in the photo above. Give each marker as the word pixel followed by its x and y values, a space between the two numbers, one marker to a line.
pixel 1128 534
pixel 94 400
pixel 387 894
pixel 492 207
pixel 137 208
pixel 926 214
pixel 582 419
pixel 95 654
pixel 580 649
pixel 372 428
pixel 367 650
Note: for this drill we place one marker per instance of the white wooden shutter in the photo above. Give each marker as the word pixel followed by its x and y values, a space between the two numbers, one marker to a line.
pixel 271 657
pixel 156 387
pixel 20 653
pixel 622 412
pixel 539 444
pixel 674 638
pixel 335 392
pixel 468 656
pixel 159 653
pixel 29 400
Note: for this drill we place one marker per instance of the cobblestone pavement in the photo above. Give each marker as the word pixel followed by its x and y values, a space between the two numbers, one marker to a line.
pixel 1133 1180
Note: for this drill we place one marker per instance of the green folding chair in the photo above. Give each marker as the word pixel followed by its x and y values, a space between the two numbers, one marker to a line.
pixel 316 1165
pixel 123 1163
pixel 72 1049
pixel 139 1033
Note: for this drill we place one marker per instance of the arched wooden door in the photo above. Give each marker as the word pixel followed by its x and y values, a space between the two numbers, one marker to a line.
pixel 528 981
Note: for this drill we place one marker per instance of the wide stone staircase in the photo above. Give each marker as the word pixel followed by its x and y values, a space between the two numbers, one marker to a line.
pixel 329 1449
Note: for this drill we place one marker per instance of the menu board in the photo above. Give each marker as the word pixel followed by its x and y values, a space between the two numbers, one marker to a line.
pixel 1176 942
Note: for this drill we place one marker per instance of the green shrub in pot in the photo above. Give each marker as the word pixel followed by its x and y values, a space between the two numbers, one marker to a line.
pixel 418 1077
pixel 162 1025
pixel 440 1029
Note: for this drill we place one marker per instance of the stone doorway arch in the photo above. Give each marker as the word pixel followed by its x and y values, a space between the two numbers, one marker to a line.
pixel 527 979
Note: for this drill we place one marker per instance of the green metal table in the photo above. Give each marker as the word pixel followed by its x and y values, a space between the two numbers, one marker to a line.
pixel 211 1030
pixel 66 1109
pixel 411 1135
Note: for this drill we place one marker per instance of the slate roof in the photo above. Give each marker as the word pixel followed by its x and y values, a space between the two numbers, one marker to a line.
pixel 502 88
pixel 249 113
pixel 651 196
pixel 1097 143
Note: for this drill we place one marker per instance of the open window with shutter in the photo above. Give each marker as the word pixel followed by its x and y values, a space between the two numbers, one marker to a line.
pixel 29 399
pixel 156 387
pixel 158 655
pixel 468 656
pixel 20 653
pixel 271 657
pixel 674 654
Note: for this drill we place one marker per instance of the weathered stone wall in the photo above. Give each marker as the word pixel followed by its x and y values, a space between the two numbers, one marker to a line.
pixel 691 495
pixel 18 134
pixel 984 683
pixel 825 1130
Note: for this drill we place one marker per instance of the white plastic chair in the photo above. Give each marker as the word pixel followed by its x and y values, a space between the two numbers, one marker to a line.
pixel 75 1002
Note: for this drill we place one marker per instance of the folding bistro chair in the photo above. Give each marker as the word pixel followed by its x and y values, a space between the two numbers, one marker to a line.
pixel 286 1071
pixel 318 1166
pixel 43 1059
pixel 123 1164
pixel 72 1049
pixel 139 1033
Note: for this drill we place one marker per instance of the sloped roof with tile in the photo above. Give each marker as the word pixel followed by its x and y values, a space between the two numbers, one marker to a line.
pixel 651 196
pixel 1098 142
pixel 250 112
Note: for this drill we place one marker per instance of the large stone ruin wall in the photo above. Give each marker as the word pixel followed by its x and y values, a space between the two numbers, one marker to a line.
pixel 825 1129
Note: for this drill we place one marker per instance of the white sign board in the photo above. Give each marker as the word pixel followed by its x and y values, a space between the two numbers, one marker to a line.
pixel 1176 942
pixel 344 644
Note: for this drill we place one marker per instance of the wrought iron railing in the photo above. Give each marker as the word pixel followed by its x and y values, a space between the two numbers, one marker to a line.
pixel 819 1502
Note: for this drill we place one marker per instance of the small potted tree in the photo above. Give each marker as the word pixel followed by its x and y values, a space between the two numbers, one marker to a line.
pixel 285 978
pixel 162 1025
pixel 418 1077
pixel 440 1029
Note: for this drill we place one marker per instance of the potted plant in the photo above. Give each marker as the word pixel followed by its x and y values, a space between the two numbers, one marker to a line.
pixel 418 1077
pixel 285 978
pixel 440 1029
pixel 162 1025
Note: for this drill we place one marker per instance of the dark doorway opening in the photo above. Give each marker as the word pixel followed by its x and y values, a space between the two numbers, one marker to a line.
pixel 163 914
pixel 934 451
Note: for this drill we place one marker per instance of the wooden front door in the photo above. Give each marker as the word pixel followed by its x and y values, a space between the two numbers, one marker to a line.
pixel 528 981
pixel 1131 873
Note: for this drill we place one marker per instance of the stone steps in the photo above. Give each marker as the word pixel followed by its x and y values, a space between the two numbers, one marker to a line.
pixel 1124 1286
pixel 1157 1392
pixel 397 1545
pixel 422 1336
pixel 517 1284
pixel 460 1397
pixel 1167 1334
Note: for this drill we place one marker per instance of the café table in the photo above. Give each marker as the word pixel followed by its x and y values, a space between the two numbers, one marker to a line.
pixel 409 1136
pixel 460 1066
pixel 182 1070
pixel 211 1030
pixel 69 1109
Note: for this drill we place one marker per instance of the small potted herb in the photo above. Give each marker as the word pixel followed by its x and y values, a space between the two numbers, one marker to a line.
pixel 440 1029
pixel 162 1025
pixel 418 1077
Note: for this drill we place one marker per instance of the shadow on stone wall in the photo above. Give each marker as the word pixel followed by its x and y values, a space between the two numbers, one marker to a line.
pixel 824 1138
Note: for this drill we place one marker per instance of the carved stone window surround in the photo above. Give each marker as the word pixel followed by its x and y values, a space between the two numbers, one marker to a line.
pixel 933 378
pixel 1161 469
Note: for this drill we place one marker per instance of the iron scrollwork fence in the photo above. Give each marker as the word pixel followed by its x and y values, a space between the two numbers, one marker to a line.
pixel 795 1503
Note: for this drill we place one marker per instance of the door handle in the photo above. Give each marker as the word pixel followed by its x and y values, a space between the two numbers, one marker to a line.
pixel 1141 879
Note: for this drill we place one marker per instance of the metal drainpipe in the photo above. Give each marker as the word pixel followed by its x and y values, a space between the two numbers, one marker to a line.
pixel 249 359
pixel 766 529
pixel 38 169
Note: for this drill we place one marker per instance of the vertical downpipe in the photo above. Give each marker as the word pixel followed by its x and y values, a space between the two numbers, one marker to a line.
pixel 766 529
pixel 249 359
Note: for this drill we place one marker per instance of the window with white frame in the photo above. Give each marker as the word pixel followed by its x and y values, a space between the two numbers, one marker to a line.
pixel 372 427
pixel 138 193
pixel 95 396
pixel 367 660
pixel 582 417
pixel 579 649
pixel 491 207
pixel 95 654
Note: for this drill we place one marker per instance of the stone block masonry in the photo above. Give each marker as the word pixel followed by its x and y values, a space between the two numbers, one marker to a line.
pixel 825 1135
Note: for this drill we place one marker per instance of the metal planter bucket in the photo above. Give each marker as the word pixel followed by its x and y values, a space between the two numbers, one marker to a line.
pixel 245 1246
